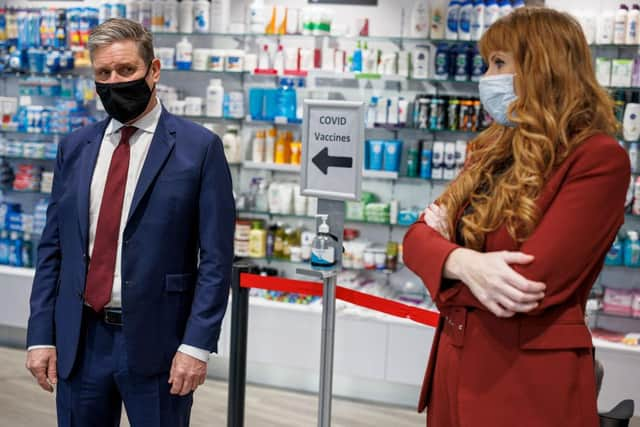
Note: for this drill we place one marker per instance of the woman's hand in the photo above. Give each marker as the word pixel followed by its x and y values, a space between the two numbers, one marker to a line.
pixel 436 218
pixel 490 278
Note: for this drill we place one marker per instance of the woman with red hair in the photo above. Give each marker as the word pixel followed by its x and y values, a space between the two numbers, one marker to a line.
pixel 510 251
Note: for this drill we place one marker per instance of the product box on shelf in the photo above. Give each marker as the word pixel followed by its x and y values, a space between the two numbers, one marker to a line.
pixel 618 301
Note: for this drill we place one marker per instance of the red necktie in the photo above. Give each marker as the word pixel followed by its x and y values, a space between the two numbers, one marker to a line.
pixel 105 247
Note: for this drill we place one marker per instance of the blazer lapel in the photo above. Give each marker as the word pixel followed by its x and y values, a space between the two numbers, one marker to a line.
pixel 159 150
pixel 85 175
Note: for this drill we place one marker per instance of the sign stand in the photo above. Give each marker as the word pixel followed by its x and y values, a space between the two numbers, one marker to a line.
pixel 332 145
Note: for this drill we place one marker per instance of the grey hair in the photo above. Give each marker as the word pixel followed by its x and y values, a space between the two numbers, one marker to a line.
pixel 119 29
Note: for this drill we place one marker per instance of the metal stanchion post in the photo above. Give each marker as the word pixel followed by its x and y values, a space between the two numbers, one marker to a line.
pixel 238 351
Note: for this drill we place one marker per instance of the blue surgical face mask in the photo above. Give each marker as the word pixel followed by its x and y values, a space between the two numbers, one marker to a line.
pixel 496 95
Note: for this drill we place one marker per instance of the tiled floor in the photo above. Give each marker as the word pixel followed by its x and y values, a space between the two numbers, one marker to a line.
pixel 23 404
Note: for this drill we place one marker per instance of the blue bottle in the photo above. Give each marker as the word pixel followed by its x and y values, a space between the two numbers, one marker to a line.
pixel 15 249
pixel 462 67
pixel 356 62
pixel 4 247
pixel 442 62
pixel 615 256
pixel 478 67
pixel 425 162
pixel 632 250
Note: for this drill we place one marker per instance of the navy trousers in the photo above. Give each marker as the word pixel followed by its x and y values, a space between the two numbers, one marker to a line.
pixel 101 381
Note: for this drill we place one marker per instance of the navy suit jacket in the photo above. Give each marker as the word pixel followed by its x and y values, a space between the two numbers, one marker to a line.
pixel 177 247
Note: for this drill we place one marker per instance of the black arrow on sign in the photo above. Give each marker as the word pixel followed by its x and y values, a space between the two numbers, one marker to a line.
pixel 324 161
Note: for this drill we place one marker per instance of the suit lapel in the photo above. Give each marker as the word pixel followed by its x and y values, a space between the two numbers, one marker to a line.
pixel 85 175
pixel 160 148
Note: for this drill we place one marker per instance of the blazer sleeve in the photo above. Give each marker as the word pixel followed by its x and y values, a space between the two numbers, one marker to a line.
pixel 576 230
pixel 216 233
pixel 41 327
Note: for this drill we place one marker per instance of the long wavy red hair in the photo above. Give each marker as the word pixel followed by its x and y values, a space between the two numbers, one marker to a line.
pixel 559 105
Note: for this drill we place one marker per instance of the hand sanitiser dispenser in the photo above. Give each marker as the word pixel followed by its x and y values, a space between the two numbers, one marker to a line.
pixel 324 247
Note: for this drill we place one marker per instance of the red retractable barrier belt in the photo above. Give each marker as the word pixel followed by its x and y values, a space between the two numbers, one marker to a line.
pixel 383 305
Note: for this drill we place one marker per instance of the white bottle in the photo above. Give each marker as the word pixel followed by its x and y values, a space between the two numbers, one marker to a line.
pixel 104 11
pixel 133 10
pixel 477 19
pixel 588 21
pixel 146 14
pixel 464 24
pixel 420 19
pixel 631 34
pixel 278 61
pixel 171 16
pixel 635 209
pixel 606 24
pixel 453 18
pixel 184 54
pixel 220 12
pixel 256 21
pixel 505 8
pixel 438 19
pixel 264 61
pixel 201 16
pixel 491 13
pixel 215 98
pixel 157 15
pixel 185 9
pixel 620 26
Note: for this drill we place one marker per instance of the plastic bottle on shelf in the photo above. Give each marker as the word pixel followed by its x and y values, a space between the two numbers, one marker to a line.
pixel 133 10
pixel 620 25
pixel 606 24
pixel 146 13
pixel 632 250
pixel 232 145
pixel 356 62
pixel 27 251
pixel 464 24
pixel 15 249
pixel 215 98
pixel 420 19
pixel 201 16
pixel 270 145
pixel 257 240
pixel 259 143
pixel 185 22
pixel 104 11
pixel 631 33
pixel 256 17
pixel 184 54
pixel 220 12
pixel 157 15
pixel 636 198
pixel 477 19
pixel 453 18
pixel 505 8
pixel 278 60
pixel 438 19
pixel 264 60
pixel 171 16
pixel 491 13
pixel 4 247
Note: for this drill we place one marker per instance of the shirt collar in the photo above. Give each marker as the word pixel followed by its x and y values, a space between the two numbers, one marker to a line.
pixel 146 123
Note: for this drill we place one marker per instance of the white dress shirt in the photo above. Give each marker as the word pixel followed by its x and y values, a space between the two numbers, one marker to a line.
pixel 139 144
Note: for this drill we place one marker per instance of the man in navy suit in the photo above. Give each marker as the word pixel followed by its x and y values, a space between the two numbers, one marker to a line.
pixel 134 264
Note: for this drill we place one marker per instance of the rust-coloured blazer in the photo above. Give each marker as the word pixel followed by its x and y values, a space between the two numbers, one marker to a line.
pixel 534 369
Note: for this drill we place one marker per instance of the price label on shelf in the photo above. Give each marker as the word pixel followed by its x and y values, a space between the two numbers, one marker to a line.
pixel 24 101
pixel 332 145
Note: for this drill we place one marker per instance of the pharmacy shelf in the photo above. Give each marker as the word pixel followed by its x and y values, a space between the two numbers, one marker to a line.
pixel 28 273
pixel 600 343
pixel 281 121
pixel 31 192
pixel 231 73
pixel 294 216
pixel 370 174
pixel 76 72
pixel 40 134
pixel 617 316
pixel 213 119
pixel 271 167
pixel 27 159
pixel 306 263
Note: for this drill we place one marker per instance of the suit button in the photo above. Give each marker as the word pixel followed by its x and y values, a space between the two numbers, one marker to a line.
pixel 81 295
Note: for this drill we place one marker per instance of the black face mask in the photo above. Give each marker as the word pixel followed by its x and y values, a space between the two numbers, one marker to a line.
pixel 127 100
